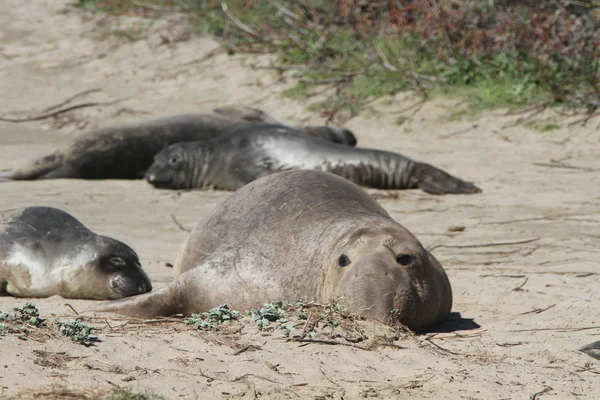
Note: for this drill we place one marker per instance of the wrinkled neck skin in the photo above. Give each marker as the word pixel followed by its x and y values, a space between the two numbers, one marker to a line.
pixel 200 174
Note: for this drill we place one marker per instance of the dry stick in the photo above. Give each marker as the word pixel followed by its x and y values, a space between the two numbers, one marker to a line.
pixel 524 119
pixel 72 309
pixel 567 329
pixel 183 228
pixel 239 23
pixel 448 135
pixel 557 164
pixel 538 394
pixel 518 288
pixel 320 341
pixel 537 310
pixel 463 246
pixel 386 64
pixel 446 350
pixel 341 79
pixel 70 99
pixel 58 112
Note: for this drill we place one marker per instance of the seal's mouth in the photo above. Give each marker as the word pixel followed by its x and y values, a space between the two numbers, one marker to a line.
pixel 125 286
pixel 159 182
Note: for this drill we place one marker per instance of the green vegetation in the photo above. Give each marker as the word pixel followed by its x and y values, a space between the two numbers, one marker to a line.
pixel 21 321
pixel 496 53
pixel 76 330
pixel 123 394
pixel 274 312
pixel 212 318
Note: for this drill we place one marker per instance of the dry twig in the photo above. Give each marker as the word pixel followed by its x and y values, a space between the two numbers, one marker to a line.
pixel 464 246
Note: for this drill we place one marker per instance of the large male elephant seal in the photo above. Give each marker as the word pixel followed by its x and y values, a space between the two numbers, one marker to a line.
pixel 126 151
pixel 45 251
pixel 232 160
pixel 307 235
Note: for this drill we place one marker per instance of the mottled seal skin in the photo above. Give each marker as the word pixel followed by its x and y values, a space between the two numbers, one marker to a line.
pixel 307 235
pixel 250 152
pixel 126 151
pixel 45 251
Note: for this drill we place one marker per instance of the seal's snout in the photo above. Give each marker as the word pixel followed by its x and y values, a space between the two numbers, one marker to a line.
pixel 132 284
pixel 144 287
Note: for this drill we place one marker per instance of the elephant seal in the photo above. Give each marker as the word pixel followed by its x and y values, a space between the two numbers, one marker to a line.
pixel 126 151
pixel 249 152
pixel 45 251
pixel 307 235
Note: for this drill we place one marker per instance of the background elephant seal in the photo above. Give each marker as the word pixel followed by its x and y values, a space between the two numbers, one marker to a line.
pixel 249 152
pixel 327 132
pixel 45 251
pixel 301 235
pixel 126 151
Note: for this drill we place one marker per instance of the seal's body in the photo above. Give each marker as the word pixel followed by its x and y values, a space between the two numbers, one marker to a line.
pixel 45 251
pixel 250 152
pixel 306 235
pixel 126 151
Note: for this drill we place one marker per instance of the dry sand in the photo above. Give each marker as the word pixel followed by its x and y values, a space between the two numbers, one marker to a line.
pixel 526 307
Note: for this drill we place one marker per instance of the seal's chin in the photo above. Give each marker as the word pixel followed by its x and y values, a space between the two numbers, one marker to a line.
pixel 160 182
pixel 129 286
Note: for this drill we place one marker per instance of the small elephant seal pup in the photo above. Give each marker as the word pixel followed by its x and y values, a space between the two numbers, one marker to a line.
pixel 126 151
pixel 250 152
pixel 45 252
pixel 306 235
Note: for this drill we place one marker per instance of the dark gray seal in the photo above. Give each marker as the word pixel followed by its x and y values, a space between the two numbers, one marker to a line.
pixel 45 251
pixel 250 152
pixel 126 151
pixel 301 235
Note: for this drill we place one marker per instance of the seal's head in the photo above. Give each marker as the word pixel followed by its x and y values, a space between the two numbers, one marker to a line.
pixel 333 134
pixel 108 269
pixel 172 167
pixel 383 272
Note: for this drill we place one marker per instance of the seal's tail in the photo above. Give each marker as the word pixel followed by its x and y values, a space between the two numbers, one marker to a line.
pixel 435 181
pixel 36 169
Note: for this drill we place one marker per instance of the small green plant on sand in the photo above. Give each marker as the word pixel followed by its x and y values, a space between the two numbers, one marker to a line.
pixel 123 394
pixel 275 312
pixel 21 321
pixel 216 316
pixel 76 330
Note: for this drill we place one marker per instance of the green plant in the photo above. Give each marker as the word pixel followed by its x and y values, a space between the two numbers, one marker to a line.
pixel 123 394
pixel 216 316
pixel 274 312
pixel 76 330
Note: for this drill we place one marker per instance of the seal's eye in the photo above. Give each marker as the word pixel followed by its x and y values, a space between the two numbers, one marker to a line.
pixel 173 159
pixel 404 259
pixel 117 261
pixel 343 261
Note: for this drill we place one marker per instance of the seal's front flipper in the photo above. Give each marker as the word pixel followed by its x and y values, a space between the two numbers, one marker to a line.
pixel 435 181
